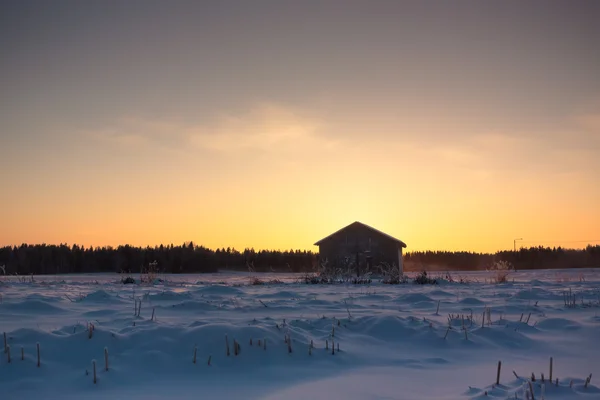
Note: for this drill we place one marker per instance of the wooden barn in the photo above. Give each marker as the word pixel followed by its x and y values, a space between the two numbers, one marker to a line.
pixel 362 246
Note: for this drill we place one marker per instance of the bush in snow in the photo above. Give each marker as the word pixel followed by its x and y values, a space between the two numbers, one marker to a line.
pixel 150 275
pixel 327 273
pixel 500 270
pixel 128 280
pixel 423 279
pixel 390 274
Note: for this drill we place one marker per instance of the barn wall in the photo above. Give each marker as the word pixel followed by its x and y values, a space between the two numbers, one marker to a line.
pixel 346 242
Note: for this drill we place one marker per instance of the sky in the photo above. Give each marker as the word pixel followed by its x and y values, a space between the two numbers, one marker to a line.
pixel 270 124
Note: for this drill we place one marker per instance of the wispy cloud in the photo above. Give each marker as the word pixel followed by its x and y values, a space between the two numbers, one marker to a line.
pixel 296 135
pixel 139 132
pixel 268 127
pixel 265 128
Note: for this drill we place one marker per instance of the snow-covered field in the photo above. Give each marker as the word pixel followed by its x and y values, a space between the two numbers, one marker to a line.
pixel 392 342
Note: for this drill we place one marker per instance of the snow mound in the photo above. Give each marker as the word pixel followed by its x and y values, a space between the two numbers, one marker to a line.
pixel 561 324
pixel 30 307
pixel 414 298
pixel 190 340
pixel 169 296
pixel 471 301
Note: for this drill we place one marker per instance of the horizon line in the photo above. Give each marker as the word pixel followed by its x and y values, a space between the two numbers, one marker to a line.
pixel 233 248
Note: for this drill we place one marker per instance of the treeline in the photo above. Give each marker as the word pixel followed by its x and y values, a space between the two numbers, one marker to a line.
pixel 190 258
pixel 525 258
pixel 187 258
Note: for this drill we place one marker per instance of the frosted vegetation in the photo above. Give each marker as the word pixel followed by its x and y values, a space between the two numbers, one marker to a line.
pixel 271 336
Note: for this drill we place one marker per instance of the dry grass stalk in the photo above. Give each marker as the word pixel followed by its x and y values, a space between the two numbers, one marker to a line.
pixel 570 299
pixel 227 345
pixel 94 369
pixel 22 354
pixel 310 350
pixel 326 345
pixel 483 319
pixel 152 318
pixel 550 369
pixel 347 309
pixel 498 373
pixel 106 359
pixel 338 347
pixel 332 347
pixel 531 390
pixel 38 354
pixel 437 311
pixel 447 330
pixel 236 347
pixel 209 359
pixel 8 353
pixel 587 380
pixel 195 353
pixel 250 341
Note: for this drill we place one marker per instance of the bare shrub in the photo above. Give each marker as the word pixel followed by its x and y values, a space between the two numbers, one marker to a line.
pixel 127 280
pixel 344 271
pixel 255 281
pixel 423 279
pixel 390 274
pixel 500 271
pixel 150 275
pixel 448 277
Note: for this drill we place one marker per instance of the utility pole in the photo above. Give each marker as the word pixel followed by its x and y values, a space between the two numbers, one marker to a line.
pixel 515 244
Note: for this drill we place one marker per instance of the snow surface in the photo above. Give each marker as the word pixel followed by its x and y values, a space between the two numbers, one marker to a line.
pixel 391 340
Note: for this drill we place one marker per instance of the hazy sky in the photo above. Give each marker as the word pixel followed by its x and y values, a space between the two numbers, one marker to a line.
pixel 448 124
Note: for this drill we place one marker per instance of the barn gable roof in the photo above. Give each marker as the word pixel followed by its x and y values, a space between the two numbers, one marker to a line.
pixel 365 226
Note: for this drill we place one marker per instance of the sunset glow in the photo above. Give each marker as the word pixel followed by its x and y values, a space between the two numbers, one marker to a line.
pixel 273 124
